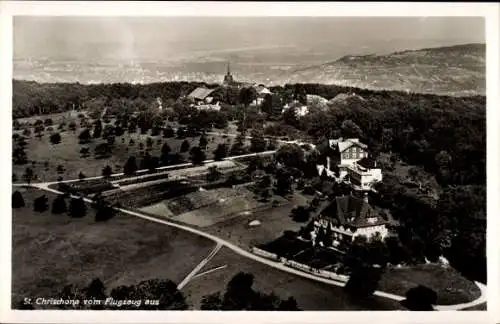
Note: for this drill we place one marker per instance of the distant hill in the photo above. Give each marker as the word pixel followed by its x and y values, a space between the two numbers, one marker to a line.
pixel 451 70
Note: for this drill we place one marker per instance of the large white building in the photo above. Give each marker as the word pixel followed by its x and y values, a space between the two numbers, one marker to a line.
pixel 347 160
pixel 346 218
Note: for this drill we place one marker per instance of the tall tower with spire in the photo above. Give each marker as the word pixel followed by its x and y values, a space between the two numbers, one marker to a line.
pixel 228 78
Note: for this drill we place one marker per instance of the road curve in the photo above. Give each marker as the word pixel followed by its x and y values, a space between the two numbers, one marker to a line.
pixel 275 264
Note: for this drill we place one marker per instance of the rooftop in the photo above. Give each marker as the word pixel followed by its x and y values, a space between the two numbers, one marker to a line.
pixel 342 144
pixel 200 93
pixel 354 212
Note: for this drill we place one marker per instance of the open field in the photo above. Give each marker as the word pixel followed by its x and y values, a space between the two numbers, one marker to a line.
pixel 206 208
pixel 274 221
pixel 450 286
pixel 310 295
pixel 50 251
pixel 226 212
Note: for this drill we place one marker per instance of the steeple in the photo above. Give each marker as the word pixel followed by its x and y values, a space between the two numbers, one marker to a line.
pixel 228 78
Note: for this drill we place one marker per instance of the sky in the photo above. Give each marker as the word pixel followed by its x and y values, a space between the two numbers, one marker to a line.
pixel 161 37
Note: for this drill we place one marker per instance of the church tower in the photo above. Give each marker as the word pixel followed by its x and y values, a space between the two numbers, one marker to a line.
pixel 228 78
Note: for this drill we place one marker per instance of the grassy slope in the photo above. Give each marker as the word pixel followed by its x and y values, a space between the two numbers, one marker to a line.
pixel 274 221
pixel 50 251
pixel 450 286
pixel 310 295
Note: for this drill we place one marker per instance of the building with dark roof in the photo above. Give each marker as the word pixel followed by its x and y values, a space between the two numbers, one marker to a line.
pixel 347 217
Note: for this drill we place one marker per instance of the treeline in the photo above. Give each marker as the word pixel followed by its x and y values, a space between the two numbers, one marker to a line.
pixel 33 98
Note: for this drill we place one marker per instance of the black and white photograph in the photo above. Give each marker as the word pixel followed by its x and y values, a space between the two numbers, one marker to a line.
pixel 248 163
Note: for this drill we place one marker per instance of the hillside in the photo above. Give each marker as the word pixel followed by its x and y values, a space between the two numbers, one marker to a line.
pixel 452 70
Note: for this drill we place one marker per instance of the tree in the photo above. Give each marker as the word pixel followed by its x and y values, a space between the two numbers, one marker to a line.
pixel 60 169
pixel 97 129
pixel 291 117
pixel 17 200
pixel 103 151
pixel 41 204
pixel 84 136
pixel 149 142
pixel 72 126
pixel 107 171
pixel 104 211
pixel 291 155
pixel 300 214
pixel 81 176
pixel 272 144
pixel 238 145
pixel 59 205
pixel 28 175
pixel 84 152
pixel 246 96
pixel 350 129
pixel 148 162
pixel 239 295
pixel 420 298
pixel 220 152
pixel 185 146
pixel 165 154
pixel 203 142
pixel 283 182
pixel 213 174
pixel 55 138
pixel 26 132
pixel 19 156
pixel 77 208
pixel 130 166
pixel 363 281
pixel 197 155
pixel 257 143
pixel 265 194
pixel 95 291
pixel 168 132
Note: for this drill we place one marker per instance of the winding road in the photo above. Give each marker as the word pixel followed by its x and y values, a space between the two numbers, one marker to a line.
pixel 245 253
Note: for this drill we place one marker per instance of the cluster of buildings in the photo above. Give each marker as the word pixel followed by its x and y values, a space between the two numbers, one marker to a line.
pixel 202 98
pixel 348 216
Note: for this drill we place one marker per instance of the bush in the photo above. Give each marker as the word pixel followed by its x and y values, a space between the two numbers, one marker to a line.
pixel 420 298
pixel 41 204
pixel 300 214
pixel 17 200
pixel 77 208
pixel 130 166
pixel 184 146
pixel 363 281
pixel 220 152
pixel 197 155
pixel 59 205
pixel 55 138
